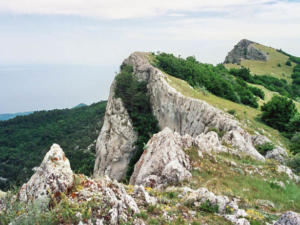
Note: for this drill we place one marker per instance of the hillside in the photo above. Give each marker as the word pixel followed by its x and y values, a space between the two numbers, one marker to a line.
pixel 273 65
pixel 25 139
pixel 182 142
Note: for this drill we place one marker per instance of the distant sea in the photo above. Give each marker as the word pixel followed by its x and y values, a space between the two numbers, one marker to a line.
pixel 27 88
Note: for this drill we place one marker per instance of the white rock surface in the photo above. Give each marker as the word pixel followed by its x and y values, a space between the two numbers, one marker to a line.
pixel 53 176
pixel 289 172
pixel 163 162
pixel 142 197
pixel 115 143
pixel 289 218
pixel 187 115
pixel 209 142
pixel 197 197
pixel 116 204
pixel 278 153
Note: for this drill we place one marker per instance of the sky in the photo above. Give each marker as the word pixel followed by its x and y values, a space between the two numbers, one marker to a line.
pixel 58 53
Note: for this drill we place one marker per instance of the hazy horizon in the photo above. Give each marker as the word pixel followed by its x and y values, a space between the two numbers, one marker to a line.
pixel 97 34
pixel 45 87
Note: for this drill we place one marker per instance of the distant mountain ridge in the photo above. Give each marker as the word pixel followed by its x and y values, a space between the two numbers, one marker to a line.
pixel 8 116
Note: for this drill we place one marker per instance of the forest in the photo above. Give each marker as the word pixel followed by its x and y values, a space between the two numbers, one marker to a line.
pixel 25 140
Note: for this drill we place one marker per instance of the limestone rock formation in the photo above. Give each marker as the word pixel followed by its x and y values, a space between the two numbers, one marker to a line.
pixel 288 172
pixel 289 218
pixel 53 176
pixel 209 142
pixel 245 50
pixel 278 153
pixel 186 115
pixel 115 205
pixel 228 208
pixel 163 162
pixel 115 143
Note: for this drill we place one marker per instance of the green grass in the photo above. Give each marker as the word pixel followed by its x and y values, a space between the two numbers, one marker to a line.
pixel 269 94
pixel 245 114
pixel 232 181
pixel 269 67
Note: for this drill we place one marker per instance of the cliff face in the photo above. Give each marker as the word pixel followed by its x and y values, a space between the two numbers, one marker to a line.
pixel 115 143
pixel 181 114
pixel 245 50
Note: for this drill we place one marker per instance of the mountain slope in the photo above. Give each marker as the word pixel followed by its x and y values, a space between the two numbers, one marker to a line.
pixel 24 140
pixel 273 65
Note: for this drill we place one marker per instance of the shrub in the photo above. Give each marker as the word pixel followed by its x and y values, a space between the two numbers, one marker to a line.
pixel 215 79
pixel 278 112
pixel 231 111
pixel 288 63
pixel 295 143
pixel 294 163
pixel 207 206
pixel 264 148
pixel 279 65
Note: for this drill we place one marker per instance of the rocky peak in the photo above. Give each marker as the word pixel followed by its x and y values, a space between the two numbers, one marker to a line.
pixel 245 49
pixel 54 175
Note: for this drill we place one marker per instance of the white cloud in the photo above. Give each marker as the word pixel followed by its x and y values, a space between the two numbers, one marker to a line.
pixel 118 9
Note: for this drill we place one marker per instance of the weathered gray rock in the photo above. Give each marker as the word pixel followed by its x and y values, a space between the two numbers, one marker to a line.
pixel 226 207
pixel 289 218
pixel 209 142
pixel 116 204
pixel 186 115
pixel 163 162
pixel 288 172
pixel 54 176
pixel 142 197
pixel 245 50
pixel 115 144
pixel 278 153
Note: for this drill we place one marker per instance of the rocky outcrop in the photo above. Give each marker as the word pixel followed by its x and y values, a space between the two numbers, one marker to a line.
pixel 54 176
pixel 115 144
pixel 245 49
pixel 114 204
pixel 186 115
pixel 226 207
pixel 163 162
pixel 286 170
pixel 289 218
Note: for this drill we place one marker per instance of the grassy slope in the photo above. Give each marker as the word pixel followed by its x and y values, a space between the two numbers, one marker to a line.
pixel 245 114
pixel 269 67
pixel 269 94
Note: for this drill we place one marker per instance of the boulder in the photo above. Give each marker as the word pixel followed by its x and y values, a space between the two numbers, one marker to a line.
pixel 209 142
pixel 288 172
pixel 142 197
pixel 53 176
pixel 279 154
pixel 289 218
pixel 163 162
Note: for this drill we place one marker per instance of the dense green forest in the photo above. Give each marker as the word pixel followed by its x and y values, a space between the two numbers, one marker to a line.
pixel 25 140
pixel 215 79
pixel 136 100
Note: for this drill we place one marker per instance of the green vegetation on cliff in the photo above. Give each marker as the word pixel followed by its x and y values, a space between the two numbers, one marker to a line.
pixel 24 140
pixel 215 79
pixel 137 103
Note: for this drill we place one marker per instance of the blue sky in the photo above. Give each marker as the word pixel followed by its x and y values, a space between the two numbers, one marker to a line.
pixel 95 33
